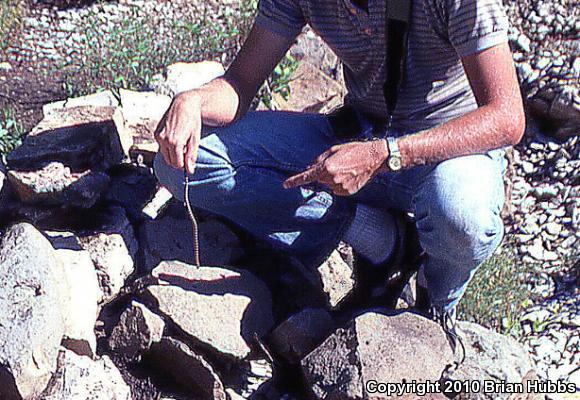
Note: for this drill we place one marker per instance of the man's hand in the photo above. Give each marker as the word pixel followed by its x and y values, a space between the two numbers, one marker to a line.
pixel 345 168
pixel 179 132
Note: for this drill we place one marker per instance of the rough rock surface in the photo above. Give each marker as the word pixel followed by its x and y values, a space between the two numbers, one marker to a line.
pixel 376 347
pixel 218 244
pixel 83 294
pixel 81 138
pixel 180 77
pixel 101 99
pixel 294 338
pixel 55 184
pixel 218 308
pixel 491 356
pixel 188 369
pixel 137 330
pixel 31 312
pixel 337 278
pixel 80 377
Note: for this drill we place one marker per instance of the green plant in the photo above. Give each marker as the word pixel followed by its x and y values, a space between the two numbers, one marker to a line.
pixel 498 294
pixel 11 12
pixel 11 131
pixel 279 81
pixel 129 53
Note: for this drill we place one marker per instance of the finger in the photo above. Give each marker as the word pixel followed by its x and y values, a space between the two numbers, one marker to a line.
pixel 322 157
pixel 176 152
pixel 303 178
pixel 191 154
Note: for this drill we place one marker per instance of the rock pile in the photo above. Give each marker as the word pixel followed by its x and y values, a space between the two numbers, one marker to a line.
pixel 111 307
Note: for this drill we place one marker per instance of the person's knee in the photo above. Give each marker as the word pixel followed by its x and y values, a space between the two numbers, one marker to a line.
pixel 463 227
pixel 213 177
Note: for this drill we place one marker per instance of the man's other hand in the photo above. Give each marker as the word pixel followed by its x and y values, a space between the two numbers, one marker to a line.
pixel 344 168
pixel 179 131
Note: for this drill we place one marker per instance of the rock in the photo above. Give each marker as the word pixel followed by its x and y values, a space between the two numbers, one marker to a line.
pixel 490 356
pixel 100 99
pixel 181 77
pixel 158 203
pixel 80 377
pixel 137 330
pixel 301 333
pixel 83 294
pixel 376 347
pixel 311 91
pixel 112 249
pixel 31 314
pixel 55 184
pixel 142 112
pixel 218 244
pixel 131 188
pixel 188 369
pixel 82 138
pixel 218 308
pixel 337 278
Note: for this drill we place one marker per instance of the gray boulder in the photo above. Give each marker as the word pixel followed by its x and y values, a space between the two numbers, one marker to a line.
pixel 376 347
pixel 491 356
pixel 55 184
pixel 83 293
pixel 189 370
pixel 137 330
pixel 80 377
pixel 294 338
pixel 82 138
pixel 218 309
pixel 32 320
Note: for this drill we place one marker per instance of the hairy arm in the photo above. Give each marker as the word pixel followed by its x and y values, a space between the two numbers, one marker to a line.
pixel 499 121
pixel 221 101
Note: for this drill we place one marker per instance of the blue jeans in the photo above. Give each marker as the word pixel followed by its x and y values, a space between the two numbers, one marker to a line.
pixel 241 167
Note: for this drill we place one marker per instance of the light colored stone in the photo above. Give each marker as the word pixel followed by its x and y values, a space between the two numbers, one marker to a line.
pixel 55 184
pixel 188 369
pixel 31 315
pixel 218 308
pixel 113 256
pixel 376 347
pixel 83 294
pixel 137 330
pixel 81 138
pixel 180 77
pixel 142 112
pixel 80 377
pixel 158 203
pixel 337 278
pixel 100 99
pixel 490 356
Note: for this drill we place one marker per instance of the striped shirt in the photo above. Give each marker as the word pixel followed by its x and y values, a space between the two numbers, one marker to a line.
pixel 435 88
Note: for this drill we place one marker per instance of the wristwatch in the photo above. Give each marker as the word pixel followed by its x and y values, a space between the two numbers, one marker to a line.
pixel 394 160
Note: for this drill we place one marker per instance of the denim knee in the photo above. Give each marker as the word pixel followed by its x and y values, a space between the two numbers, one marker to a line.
pixel 213 178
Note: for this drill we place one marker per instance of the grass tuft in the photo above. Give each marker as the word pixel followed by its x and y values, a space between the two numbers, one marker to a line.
pixel 11 14
pixel 11 131
pixel 498 294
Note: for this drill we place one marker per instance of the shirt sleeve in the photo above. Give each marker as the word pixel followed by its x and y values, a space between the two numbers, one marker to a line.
pixel 471 26
pixel 284 17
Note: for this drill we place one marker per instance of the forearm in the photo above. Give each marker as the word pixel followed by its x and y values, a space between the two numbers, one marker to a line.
pixel 482 130
pixel 220 102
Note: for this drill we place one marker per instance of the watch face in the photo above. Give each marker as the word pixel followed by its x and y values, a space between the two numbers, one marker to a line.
pixel 395 164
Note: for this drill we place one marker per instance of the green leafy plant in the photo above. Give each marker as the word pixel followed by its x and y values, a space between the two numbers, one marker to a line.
pixel 129 53
pixel 11 131
pixel 279 81
pixel 498 293
pixel 11 12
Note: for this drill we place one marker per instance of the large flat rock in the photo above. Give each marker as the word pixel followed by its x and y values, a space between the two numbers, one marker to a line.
pixel 217 308
pixel 82 138
pixel 32 320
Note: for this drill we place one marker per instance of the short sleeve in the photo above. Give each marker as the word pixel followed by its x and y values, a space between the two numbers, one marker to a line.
pixel 470 26
pixel 284 17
